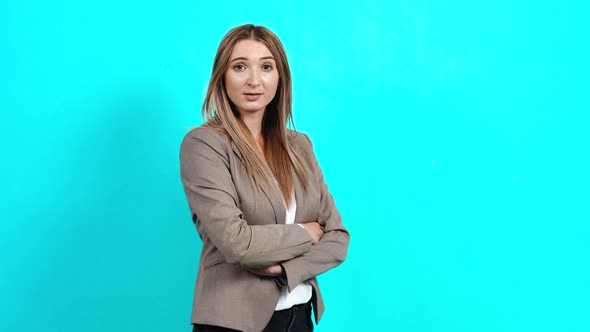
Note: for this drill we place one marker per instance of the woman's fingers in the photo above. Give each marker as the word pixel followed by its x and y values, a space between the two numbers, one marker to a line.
pixel 314 230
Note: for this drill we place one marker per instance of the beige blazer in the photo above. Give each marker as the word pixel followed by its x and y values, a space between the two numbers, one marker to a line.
pixel 239 233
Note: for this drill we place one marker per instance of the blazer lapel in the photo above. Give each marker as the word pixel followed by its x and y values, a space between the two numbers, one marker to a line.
pixel 271 192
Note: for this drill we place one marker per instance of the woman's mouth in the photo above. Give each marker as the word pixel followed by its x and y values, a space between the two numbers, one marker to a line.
pixel 252 96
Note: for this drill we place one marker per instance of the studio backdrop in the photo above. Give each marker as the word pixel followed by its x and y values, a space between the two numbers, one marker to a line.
pixel 454 136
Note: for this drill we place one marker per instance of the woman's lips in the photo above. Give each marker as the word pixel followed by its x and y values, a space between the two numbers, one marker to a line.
pixel 252 96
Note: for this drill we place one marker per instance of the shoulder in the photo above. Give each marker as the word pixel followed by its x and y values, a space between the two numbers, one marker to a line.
pixel 205 139
pixel 299 139
pixel 302 142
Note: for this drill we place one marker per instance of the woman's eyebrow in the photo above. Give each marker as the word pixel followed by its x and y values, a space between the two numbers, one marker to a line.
pixel 246 59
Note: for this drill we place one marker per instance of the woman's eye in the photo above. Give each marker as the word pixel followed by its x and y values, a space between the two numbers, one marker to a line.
pixel 239 66
pixel 266 67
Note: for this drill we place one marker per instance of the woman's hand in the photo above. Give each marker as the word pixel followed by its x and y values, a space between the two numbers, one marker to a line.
pixel 314 230
pixel 271 271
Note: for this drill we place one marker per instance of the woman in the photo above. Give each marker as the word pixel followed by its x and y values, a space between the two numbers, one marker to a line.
pixel 257 196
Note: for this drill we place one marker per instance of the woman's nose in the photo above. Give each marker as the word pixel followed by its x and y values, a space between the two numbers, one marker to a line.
pixel 254 78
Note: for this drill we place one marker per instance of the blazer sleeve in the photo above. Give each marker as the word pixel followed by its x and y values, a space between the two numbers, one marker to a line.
pixel 212 198
pixel 331 250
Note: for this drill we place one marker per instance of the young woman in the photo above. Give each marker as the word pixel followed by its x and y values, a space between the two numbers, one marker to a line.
pixel 257 196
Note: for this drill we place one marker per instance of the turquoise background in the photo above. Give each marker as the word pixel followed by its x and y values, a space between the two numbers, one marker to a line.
pixel 453 135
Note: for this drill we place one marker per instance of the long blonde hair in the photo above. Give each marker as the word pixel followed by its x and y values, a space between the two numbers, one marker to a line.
pixel 220 114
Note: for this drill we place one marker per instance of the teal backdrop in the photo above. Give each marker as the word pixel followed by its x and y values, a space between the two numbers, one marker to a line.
pixel 454 136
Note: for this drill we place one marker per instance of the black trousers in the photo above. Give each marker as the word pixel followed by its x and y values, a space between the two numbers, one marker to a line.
pixel 295 319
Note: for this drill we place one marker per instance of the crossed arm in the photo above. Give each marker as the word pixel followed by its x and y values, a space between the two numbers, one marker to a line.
pixel 328 252
pixel 299 253
pixel 314 230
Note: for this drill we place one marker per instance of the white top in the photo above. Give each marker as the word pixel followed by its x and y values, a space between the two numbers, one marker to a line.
pixel 302 292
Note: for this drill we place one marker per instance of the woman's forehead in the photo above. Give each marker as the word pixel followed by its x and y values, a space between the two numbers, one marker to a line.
pixel 250 49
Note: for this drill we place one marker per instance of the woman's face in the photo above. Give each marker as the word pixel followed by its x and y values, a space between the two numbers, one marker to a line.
pixel 252 78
